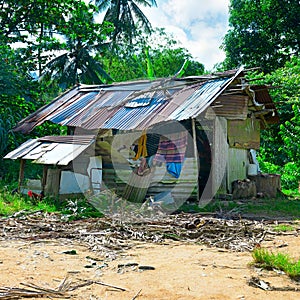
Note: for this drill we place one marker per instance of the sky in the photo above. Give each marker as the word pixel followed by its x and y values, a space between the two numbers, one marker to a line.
pixel 199 25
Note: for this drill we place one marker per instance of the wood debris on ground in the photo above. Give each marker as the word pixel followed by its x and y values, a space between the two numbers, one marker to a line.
pixel 109 235
pixel 62 291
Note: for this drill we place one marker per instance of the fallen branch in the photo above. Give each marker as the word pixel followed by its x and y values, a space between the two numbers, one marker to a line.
pixel 136 295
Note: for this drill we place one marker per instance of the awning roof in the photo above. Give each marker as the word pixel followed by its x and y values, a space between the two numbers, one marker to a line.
pixel 55 150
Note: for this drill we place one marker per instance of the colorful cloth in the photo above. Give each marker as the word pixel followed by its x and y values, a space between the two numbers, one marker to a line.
pixel 174 168
pixel 172 148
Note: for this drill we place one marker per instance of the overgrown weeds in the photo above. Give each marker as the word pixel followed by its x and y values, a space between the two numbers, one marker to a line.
pixel 11 203
pixel 278 261
pixel 72 209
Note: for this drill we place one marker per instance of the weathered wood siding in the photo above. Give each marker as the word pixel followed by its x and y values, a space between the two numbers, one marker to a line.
pixel 237 165
pixel 219 156
pixel 244 134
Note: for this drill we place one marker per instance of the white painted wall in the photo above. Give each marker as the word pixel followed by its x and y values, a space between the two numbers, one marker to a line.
pixel 73 183
pixel 95 173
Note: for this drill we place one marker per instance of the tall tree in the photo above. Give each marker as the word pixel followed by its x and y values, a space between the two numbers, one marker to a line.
pixel 31 25
pixel 17 97
pixel 125 14
pixel 42 31
pixel 263 33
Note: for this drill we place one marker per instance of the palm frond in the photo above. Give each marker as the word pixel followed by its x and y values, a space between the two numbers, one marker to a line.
pixel 103 4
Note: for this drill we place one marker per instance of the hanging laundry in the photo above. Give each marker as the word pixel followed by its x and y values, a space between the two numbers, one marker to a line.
pixel 152 143
pixel 174 168
pixel 142 146
pixel 171 150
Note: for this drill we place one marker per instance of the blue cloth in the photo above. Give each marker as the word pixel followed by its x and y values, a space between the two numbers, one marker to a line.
pixel 174 168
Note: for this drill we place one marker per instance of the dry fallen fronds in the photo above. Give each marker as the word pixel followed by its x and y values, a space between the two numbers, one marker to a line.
pixel 35 291
pixel 110 235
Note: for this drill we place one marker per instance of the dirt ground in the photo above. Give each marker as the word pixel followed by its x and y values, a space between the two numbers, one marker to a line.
pixel 172 270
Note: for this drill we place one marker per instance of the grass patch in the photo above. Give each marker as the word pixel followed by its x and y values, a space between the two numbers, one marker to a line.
pixel 278 207
pixel 283 228
pixel 284 207
pixel 11 203
pixel 275 207
pixel 280 261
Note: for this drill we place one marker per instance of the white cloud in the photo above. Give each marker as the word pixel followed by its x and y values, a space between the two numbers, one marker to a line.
pixel 199 25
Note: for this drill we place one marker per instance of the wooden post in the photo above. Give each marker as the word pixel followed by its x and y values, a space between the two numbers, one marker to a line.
pixel 196 156
pixel 53 182
pixel 21 174
pixel 44 178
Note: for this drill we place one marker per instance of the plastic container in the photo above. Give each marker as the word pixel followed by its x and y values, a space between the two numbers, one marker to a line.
pixel 252 169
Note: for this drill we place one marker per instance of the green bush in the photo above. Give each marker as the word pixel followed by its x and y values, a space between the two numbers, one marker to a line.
pixel 290 176
pixel 290 173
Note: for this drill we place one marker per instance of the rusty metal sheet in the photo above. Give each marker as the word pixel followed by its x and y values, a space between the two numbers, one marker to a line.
pixel 104 104
pixel 39 116
pixel 234 107
pixel 107 106
pixel 262 96
pixel 200 99
pixel 162 114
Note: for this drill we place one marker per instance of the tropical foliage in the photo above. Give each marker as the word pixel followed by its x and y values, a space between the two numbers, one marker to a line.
pixel 157 55
pixel 263 33
pixel 280 143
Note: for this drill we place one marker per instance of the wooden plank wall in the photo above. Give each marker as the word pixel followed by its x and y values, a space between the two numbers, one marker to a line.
pixel 219 156
pixel 181 188
pixel 237 165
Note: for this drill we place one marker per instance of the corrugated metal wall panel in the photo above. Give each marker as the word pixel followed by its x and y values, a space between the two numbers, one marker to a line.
pixel 234 107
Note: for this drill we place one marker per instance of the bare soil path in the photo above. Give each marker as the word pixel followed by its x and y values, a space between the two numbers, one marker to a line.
pixel 166 269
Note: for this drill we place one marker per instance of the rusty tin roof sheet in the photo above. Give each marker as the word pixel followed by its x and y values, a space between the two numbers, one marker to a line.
pixel 132 105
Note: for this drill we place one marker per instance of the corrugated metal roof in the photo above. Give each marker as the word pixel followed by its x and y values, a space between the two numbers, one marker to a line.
pixel 52 150
pixel 75 107
pixel 262 96
pixel 127 118
pixel 24 148
pixel 200 99
pixel 132 105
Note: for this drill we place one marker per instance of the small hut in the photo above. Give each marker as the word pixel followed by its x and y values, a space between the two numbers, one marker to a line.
pixel 181 138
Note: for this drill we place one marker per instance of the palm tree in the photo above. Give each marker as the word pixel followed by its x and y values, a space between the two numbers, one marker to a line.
pixel 125 14
pixel 83 38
